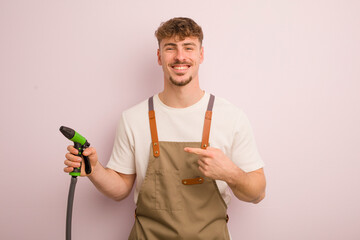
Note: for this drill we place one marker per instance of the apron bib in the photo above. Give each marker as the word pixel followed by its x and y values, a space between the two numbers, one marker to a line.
pixel 175 200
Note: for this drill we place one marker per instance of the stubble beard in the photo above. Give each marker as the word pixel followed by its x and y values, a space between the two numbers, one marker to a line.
pixel 182 83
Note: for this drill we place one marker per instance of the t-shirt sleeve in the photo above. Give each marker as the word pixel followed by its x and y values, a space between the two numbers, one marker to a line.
pixel 244 150
pixel 122 158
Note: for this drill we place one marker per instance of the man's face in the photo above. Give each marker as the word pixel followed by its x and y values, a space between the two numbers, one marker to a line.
pixel 180 60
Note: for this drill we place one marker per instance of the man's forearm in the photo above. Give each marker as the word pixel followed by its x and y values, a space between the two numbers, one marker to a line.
pixel 110 183
pixel 248 187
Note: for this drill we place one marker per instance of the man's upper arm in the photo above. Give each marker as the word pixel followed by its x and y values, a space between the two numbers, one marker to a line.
pixel 129 179
pixel 244 150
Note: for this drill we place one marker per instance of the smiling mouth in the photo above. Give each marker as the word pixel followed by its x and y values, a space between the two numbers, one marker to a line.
pixel 177 65
pixel 180 67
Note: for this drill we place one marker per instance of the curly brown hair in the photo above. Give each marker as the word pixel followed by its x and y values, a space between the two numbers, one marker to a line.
pixel 179 27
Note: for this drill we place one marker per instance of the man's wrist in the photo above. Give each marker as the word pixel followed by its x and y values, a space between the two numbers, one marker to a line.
pixel 233 176
pixel 95 168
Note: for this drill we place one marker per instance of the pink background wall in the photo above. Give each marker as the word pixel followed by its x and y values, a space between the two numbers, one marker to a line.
pixel 293 66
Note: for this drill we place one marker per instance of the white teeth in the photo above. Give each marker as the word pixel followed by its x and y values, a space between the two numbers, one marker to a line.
pixel 180 68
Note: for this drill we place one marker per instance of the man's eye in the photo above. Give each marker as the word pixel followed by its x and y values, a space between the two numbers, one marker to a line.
pixel 189 49
pixel 167 49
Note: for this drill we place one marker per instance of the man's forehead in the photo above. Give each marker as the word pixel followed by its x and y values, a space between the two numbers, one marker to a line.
pixel 178 41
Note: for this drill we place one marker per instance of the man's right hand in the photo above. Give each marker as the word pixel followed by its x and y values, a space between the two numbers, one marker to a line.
pixel 73 160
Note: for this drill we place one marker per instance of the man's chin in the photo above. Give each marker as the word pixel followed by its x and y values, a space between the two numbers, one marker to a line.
pixel 181 83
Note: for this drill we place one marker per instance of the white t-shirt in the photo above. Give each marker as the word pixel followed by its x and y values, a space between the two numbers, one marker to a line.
pixel 230 131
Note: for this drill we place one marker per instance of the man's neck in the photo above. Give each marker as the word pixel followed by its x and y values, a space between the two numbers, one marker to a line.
pixel 181 97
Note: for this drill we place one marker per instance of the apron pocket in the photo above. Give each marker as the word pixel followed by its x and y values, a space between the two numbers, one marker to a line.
pixel 167 190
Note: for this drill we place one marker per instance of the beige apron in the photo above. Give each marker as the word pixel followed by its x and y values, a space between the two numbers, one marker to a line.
pixel 175 200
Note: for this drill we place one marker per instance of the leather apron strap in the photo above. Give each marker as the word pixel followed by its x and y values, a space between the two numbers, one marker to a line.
pixel 153 129
pixel 207 123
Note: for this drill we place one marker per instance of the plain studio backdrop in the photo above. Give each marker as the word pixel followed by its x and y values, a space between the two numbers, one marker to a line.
pixel 292 66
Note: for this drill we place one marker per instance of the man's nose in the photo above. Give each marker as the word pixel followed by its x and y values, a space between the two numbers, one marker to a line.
pixel 180 55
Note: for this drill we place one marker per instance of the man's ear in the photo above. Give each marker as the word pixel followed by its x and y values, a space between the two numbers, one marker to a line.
pixel 201 55
pixel 159 57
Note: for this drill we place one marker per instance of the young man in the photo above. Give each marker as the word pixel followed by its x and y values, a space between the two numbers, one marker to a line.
pixel 182 187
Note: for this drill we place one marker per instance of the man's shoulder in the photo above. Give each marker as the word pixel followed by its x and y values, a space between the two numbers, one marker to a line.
pixel 223 105
pixel 140 109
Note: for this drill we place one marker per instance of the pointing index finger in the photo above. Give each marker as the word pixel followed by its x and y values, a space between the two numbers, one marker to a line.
pixel 197 151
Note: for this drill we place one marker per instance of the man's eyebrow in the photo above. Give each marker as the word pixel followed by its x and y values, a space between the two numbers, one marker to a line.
pixel 169 44
pixel 190 43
